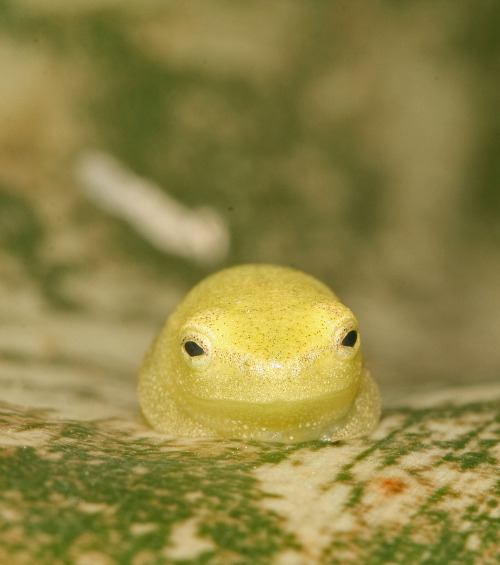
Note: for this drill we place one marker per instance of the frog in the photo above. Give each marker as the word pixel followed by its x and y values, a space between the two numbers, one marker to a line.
pixel 259 352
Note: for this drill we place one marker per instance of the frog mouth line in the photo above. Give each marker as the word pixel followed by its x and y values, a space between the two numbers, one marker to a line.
pixel 234 416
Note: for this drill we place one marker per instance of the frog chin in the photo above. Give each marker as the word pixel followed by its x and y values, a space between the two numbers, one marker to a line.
pixel 278 420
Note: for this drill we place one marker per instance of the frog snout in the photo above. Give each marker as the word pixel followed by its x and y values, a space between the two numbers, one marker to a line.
pixel 267 379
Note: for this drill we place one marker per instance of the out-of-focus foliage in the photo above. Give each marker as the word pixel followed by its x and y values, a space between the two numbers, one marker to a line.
pixel 356 141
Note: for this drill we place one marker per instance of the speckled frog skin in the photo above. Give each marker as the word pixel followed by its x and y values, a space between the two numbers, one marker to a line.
pixel 259 352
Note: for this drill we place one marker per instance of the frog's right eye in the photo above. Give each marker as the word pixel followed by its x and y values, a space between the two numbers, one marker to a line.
pixel 193 349
pixel 196 351
pixel 350 338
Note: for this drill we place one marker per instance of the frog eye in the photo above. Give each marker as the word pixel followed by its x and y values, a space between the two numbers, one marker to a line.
pixel 350 338
pixel 347 341
pixel 196 351
pixel 193 349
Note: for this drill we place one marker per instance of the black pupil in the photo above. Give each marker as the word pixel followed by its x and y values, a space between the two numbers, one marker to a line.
pixel 193 349
pixel 350 338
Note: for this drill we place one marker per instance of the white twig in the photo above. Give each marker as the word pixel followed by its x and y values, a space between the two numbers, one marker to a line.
pixel 201 234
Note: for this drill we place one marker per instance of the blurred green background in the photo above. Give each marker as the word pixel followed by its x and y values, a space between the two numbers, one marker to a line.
pixel 357 141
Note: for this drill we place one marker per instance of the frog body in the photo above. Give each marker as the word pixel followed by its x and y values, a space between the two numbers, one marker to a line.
pixel 259 352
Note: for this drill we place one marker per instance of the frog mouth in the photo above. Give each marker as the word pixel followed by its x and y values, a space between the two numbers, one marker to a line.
pixel 272 419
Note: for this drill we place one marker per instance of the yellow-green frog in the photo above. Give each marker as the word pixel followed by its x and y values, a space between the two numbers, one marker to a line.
pixel 259 352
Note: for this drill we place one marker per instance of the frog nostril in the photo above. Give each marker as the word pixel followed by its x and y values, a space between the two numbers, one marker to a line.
pixel 193 349
pixel 350 339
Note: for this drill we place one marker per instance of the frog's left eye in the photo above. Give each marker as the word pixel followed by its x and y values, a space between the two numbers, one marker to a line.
pixel 193 349
pixel 347 341
pixel 196 350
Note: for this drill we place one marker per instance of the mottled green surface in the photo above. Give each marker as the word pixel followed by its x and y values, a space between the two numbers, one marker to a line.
pixel 355 141
pixel 426 490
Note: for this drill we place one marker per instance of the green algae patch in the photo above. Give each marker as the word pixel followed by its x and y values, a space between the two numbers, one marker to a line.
pixel 410 505
pixel 86 490
pixel 425 489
